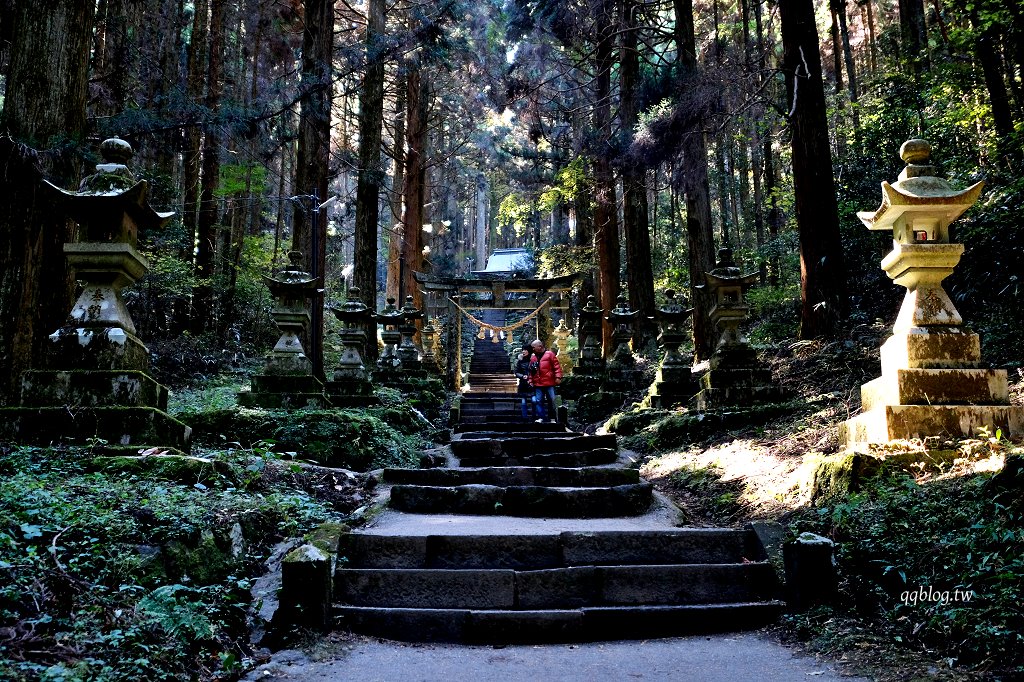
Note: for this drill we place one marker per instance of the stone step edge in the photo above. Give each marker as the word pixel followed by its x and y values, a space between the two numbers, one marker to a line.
pixel 594 624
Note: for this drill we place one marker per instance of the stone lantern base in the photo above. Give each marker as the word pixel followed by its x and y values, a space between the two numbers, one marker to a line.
pixel 931 386
pixel 674 385
pixel 736 378
pixel 287 382
pixel 117 405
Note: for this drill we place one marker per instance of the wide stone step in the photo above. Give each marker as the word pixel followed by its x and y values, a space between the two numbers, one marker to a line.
pixel 533 501
pixel 501 426
pixel 595 457
pixel 520 447
pixel 555 588
pixel 544 626
pixel 514 476
pixel 553 550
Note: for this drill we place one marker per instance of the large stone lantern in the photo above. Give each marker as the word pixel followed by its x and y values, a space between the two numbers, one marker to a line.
pixel 407 349
pixel 590 340
pixel 674 383
pixel 96 383
pixel 932 381
pixel 351 381
pixel 622 374
pixel 389 363
pixel 561 335
pixel 735 376
pixel 287 380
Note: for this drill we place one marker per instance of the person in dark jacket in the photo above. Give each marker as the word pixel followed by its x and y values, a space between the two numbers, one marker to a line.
pixel 545 374
pixel 525 389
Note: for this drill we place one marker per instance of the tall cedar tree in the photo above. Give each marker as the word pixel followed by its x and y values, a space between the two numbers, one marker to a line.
pixel 822 272
pixel 699 239
pixel 44 109
pixel 313 156
pixel 606 223
pixel 635 225
pixel 371 175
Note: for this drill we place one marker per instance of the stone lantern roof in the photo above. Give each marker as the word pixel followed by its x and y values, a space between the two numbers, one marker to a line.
pixel 107 197
pixel 919 196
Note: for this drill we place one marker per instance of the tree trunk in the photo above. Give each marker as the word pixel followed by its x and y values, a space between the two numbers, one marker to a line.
pixel 988 57
pixel 606 224
pixel 413 218
pixel 371 175
pixel 635 226
pixel 851 70
pixel 397 234
pixel 194 133
pixel 44 104
pixel 822 272
pixel 203 313
pixel 311 163
pixel 914 34
pixel 699 238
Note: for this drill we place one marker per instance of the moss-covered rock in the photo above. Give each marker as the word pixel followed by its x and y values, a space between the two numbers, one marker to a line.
pixel 355 439
pixel 597 406
pixel 630 423
pixel 205 562
pixel 180 468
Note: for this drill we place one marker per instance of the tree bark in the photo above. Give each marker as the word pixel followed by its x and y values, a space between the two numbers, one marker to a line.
pixel 311 163
pixel 635 226
pixel 699 238
pixel 822 272
pixel 914 34
pixel 44 108
pixel 194 134
pixel 203 313
pixel 988 57
pixel 371 175
pixel 413 218
pixel 606 224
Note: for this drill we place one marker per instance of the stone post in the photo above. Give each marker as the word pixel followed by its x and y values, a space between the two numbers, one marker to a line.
pixel 674 383
pixel 287 379
pixel 932 381
pixel 96 385
pixel 735 377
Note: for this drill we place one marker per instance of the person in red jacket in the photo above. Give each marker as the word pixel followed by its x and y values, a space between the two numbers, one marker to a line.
pixel 545 374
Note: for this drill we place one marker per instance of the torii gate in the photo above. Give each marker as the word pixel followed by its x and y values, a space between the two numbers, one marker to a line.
pixel 440 294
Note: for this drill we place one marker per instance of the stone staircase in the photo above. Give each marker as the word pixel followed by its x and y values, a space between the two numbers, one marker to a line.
pixel 490 367
pixel 535 533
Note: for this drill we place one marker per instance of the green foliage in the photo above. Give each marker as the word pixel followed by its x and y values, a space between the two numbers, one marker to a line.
pixel 357 439
pixel 898 537
pixel 237 179
pixel 570 183
pixel 517 212
pixel 565 259
pixel 88 587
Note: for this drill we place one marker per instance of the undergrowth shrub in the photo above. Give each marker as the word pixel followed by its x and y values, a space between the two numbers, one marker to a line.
pixel 897 538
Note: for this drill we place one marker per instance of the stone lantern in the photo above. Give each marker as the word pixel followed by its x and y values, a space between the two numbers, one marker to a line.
pixel 351 381
pixel 408 353
pixel 429 335
pixel 96 383
pixel 561 334
pixel 932 381
pixel 389 363
pixel 622 373
pixel 674 383
pixel 735 376
pixel 287 379
pixel 590 340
